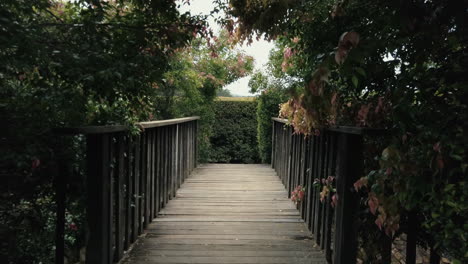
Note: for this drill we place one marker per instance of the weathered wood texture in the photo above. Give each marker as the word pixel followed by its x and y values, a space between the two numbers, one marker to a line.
pixel 333 156
pixel 129 181
pixel 228 213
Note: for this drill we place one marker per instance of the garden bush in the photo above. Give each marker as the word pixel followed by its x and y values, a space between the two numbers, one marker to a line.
pixel 234 138
pixel 267 107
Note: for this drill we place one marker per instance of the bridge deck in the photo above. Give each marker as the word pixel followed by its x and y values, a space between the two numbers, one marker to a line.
pixel 227 213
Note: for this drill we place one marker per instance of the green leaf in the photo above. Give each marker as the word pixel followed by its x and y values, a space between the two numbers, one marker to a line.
pixel 360 71
pixel 355 81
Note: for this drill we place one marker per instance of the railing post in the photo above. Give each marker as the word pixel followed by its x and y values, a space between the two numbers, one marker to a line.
pixel 273 144
pixel 99 200
pixel 349 169
pixel 411 239
pixel 60 199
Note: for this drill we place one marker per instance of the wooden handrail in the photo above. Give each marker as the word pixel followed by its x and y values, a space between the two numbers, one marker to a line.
pixel 87 130
pixel 345 129
pixel 338 152
pixel 301 160
pixel 129 180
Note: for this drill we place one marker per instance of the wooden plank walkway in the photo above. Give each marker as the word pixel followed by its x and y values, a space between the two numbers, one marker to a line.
pixel 228 213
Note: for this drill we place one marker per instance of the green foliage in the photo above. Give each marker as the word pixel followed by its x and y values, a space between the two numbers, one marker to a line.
pixel 268 103
pixel 225 93
pixel 234 132
pixel 196 74
pixel 71 63
pixel 272 94
pixel 388 64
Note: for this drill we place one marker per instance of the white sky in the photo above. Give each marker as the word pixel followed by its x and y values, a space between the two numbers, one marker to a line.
pixel 259 50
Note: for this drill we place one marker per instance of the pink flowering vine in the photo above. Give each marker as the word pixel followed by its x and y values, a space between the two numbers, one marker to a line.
pixel 297 196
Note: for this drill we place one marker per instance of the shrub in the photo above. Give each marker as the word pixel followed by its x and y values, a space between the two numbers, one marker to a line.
pixel 267 107
pixel 234 132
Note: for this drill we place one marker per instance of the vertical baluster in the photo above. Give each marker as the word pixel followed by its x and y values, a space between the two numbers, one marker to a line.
pixel 190 146
pixel 411 239
pixel 330 211
pixel 154 184
pixel 149 176
pixel 166 165
pixel 119 198
pixel 434 257
pixel 140 165
pixel 130 194
pixel 163 165
pixel 158 168
pixel 289 158
pixel 111 227
pixel 196 142
pixel 60 185
pixel 177 165
pixel 99 194
pixel 146 178
pixel 349 169
pixel 386 249
pixel 292 167
pixel 172 162
pixel 318 205
pixel 309 180
pixel 185 151
pixel 326 203
pixel 316 190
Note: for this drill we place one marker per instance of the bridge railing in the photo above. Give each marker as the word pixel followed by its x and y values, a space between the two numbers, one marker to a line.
pixel 129 180
pixel 300 160
pixel 339 153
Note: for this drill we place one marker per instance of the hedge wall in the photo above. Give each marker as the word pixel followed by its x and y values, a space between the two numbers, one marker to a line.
pixel 234 136
pixel 267 107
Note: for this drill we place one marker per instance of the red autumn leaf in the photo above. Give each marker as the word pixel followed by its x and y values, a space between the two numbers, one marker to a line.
pixel 349 38
pixel 35 163
pixel 313 87
pixel 379 222
pixel 362 114
pixel 373 203
pixel 334 200
pixel 73 227
pixel 340 55
pixel 388 171
pixel 436 147
pixel 334 98
pixel 440 161
pixel 359 183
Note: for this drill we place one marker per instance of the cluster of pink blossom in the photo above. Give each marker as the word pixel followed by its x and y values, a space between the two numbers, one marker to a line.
pixel 298 194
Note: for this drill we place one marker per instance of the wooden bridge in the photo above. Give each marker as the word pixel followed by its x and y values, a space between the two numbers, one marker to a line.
pixel 227 213
pixel 150 202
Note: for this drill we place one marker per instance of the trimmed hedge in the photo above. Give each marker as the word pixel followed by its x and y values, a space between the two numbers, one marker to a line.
pixel 267 107
pixel 234 135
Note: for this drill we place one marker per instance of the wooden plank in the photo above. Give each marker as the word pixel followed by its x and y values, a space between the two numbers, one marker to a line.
pixel 216 219
pixel 94 130
pixel 167 122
